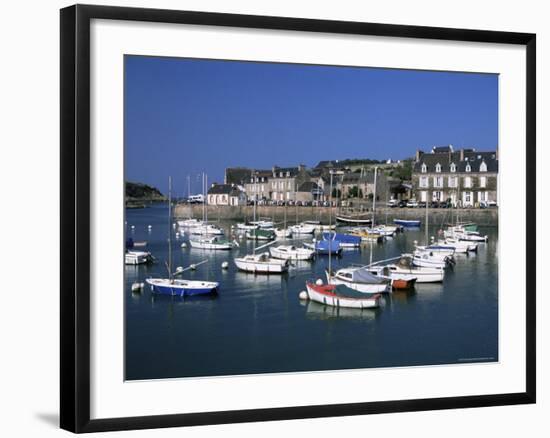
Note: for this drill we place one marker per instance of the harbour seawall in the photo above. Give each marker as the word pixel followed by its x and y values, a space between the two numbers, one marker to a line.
pixel 488 216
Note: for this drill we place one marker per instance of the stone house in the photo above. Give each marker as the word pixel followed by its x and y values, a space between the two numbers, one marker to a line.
pixel 309 191
pixel 466 177
pixel 284 182
pixel 225 194
pixel 257 185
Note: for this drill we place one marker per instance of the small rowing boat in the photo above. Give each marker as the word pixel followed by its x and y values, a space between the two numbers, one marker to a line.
pixel 339 296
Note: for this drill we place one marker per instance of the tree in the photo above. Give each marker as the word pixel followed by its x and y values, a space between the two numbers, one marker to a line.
pixel 404 172
pixel 353 192
pixel 336 193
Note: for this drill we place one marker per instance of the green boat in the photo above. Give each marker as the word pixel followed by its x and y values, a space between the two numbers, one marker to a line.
pixel 260 234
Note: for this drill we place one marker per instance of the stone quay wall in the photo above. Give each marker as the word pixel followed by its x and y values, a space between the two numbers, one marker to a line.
pixel 486 217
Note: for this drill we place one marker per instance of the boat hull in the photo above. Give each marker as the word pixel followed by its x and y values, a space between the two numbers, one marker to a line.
pixel 366 288
pixel 407 223
pixel 182 288
pixel 255 267
pixel 326 294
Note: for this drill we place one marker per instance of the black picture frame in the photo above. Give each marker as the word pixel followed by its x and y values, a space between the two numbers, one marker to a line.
pixel 75 217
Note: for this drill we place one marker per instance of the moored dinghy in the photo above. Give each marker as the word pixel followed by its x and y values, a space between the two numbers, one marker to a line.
pixel 359 279
pixel 260 234
pixel 405 266
pixel 138 257
pixel 339 296
pixel 214 243
pixel 261 264
pixel 290 252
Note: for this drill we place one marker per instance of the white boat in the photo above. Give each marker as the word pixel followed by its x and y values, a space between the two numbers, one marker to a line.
pixel 263 224
pixel 441 250
pixel 460 246
pixel 428 259
pixel 423 275
pixel 291 252
pixel 137 257
pixel 283 233
pixel 359 279
pixel 189 223
pixel 261 264
pixel 302 228
pixel 206 229
pixel 214 243
pixel 398 280
pixel 469 236
pixel 244 226
pixel 339 296
pixel 319 227
pixel 385 230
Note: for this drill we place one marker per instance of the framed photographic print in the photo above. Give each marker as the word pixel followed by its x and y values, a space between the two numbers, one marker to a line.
pixel 271 218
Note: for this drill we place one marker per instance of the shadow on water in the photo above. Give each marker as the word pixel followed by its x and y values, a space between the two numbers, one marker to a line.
pixel 319 311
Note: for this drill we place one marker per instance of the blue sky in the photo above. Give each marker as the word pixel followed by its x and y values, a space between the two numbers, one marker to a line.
pixel 185 116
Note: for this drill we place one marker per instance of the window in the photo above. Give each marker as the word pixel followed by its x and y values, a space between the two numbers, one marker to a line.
pixel 483 181
pixel 468 167
pixel 288 174
pixel 468 182
pixel 483 167
pixel 453 181
pixel 423 181
pixel 281 174
pixel 437 196
pixel 424 168
pixel 438 168
pixel 438 181
pixel 453 167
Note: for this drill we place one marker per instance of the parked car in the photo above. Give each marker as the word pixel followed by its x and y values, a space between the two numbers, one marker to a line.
pixel 412 203
pixel 280 203
pixel 422 204
pixel 290 202
pixel 392 203
pixel 434 204
pixel 402 203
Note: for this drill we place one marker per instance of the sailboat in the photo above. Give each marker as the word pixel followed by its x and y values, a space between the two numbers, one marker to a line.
pixel 171 285
pixel 203 228
pixel 338 295
pixel 213 243
pixel 262 263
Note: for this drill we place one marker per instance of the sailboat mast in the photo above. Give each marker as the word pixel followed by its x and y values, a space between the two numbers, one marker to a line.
pixel 427 203
pixel 206 197
pixel 329 229
pixel 374 197
pixel 203 200
pixel 170 227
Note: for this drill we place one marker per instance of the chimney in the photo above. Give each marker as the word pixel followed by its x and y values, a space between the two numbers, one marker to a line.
pixel 462 154
pixel 419 153
pixel 301 167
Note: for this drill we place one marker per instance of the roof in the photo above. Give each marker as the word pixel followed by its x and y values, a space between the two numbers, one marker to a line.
pixel 445 159
pixel 441 149
pixel 309 187
pixel 276 172
pixel 237 175
pixel 223 189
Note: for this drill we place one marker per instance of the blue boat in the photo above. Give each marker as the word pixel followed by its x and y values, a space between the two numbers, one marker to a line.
pixel 179 287
pixel 326 247
pixel 346 240
pixel 182 288
pixel 407 223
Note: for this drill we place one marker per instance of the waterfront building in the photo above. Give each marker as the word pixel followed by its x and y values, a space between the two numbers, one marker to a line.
pixel 257 185
pixel 225 194
pixel 309 191
pixel 284 182
pixel 467 177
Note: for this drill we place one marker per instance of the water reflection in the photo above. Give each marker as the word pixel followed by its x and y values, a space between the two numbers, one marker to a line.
pixel 318 311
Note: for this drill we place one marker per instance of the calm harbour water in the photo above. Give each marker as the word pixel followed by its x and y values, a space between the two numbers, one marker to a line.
pixel 257 324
